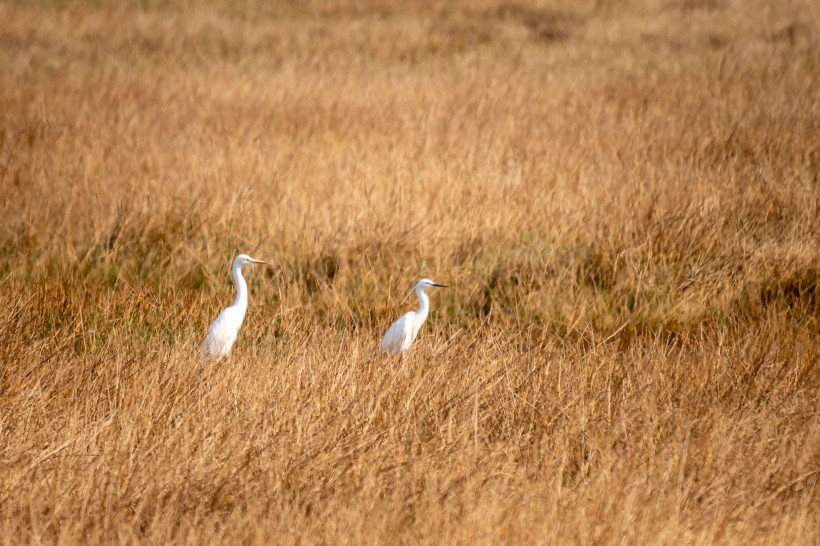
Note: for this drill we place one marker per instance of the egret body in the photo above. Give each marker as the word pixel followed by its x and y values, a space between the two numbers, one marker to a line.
pixel 224 329
pixel 401 333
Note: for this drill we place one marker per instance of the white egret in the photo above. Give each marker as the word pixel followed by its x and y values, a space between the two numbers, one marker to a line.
pixel 401 334
pixel 224 329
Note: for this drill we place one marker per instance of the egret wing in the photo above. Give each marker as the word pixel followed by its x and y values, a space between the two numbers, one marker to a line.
pixel 399 336
pixel 221 335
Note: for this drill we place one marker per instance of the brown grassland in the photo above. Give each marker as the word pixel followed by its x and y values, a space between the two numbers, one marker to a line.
pixel 624 197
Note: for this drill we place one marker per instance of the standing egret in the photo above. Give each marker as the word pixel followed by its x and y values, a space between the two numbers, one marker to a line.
pixel 223 331
pixel 401 334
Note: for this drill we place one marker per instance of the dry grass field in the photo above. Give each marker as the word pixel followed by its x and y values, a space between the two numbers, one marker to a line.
pixel 624 197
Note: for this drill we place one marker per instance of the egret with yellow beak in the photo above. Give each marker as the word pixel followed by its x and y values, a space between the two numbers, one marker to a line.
pixel 224 329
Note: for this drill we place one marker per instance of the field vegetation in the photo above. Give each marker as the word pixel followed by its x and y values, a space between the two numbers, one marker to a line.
pixel 624 197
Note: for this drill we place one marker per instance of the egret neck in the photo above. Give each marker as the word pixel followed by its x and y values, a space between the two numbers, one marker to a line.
pixel 241 300
pixel 424 304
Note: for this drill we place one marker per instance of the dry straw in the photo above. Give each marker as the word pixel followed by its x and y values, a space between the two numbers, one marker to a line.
pixel 624 197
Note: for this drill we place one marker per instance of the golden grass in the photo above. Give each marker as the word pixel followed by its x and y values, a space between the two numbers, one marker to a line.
pixel 624 196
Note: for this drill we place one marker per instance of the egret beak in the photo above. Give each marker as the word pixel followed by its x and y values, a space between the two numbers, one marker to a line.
pixel 437 285
pixel 253 261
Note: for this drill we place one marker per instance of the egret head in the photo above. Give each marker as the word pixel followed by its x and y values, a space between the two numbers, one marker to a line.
pixel 427 283
pixel 244 259
pixel 422 285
